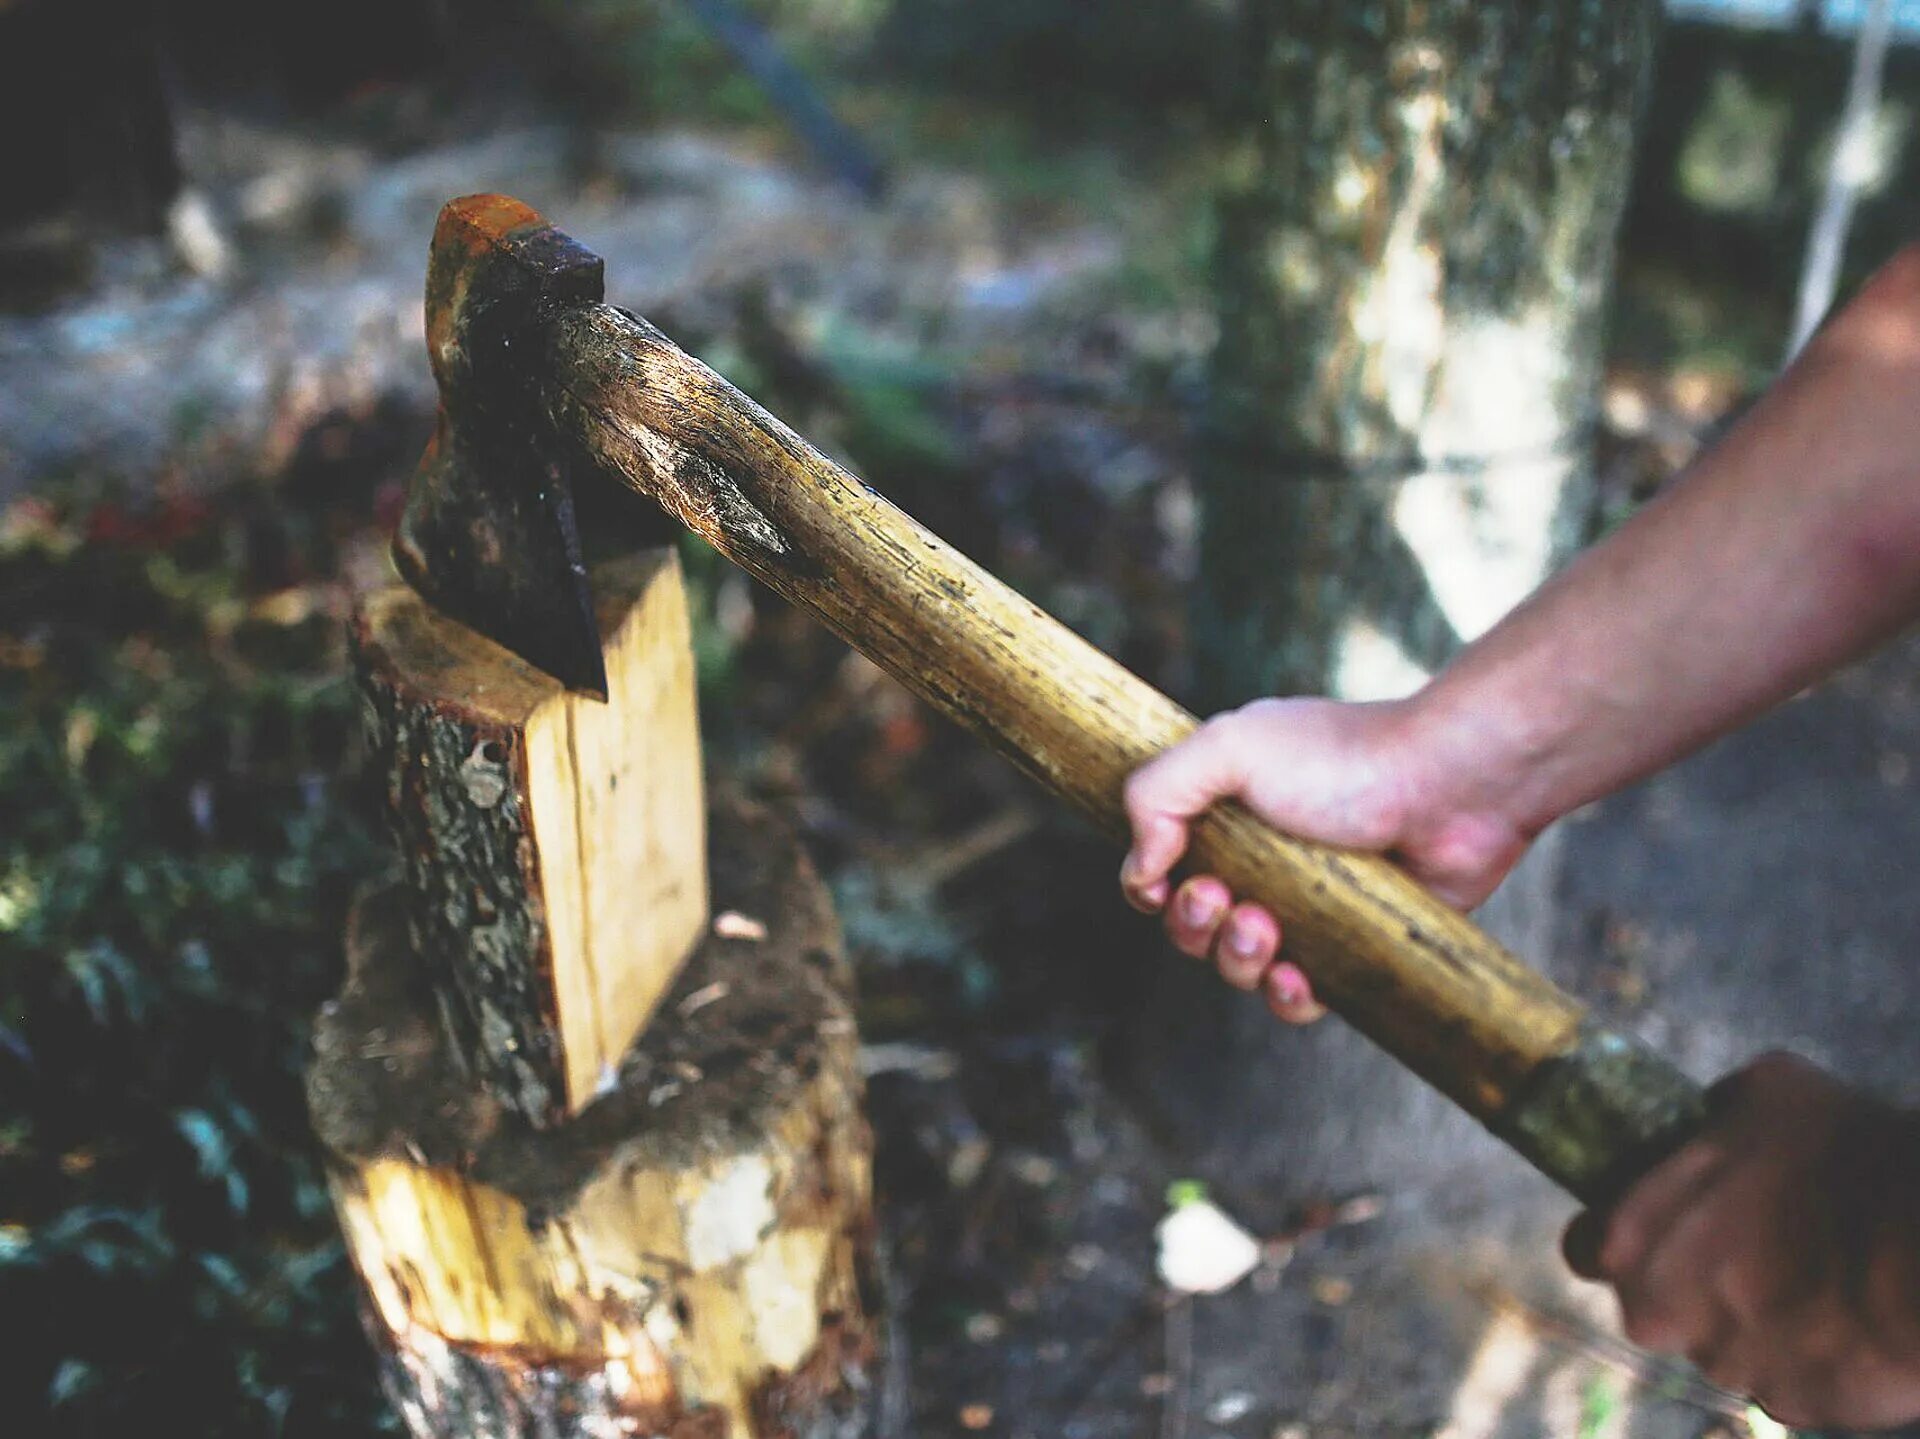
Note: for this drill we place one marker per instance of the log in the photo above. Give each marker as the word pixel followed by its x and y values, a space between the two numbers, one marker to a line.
pixel 690 1257
pixel 552 844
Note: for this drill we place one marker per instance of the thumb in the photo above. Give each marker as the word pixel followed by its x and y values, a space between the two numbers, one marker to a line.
pixel 1167 792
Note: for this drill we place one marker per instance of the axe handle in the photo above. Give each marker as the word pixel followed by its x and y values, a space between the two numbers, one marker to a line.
pixel 1590 1108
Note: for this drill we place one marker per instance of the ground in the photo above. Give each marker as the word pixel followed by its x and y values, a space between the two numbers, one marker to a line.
pixel 199 468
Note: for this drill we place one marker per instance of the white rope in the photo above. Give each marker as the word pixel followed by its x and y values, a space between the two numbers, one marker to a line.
pixel 1847 171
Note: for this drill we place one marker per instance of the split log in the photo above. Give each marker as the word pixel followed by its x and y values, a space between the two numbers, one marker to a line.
pixel 553 844
pixel 688 1258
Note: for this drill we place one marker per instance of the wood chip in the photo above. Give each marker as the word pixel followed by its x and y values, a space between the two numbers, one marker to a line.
pixel 984 1327
pixel 662 1092
pixel 1083 1259
pixel 1332 1290
pixel 1361 1209
pixel 704 996
pixel 731 924
pixel 1230 1407
pixel 922 1061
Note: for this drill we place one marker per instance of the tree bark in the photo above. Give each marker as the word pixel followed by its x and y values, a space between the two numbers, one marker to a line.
pixel 1415 241
pixel 690 1257
pixel 552 844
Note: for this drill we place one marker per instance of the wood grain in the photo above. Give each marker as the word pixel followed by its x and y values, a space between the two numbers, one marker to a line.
pixel 687 1258
pixel 554 844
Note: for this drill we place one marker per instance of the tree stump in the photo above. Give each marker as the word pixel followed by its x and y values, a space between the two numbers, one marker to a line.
pixel 562 1231
pixel 553 842
pixel 689 1257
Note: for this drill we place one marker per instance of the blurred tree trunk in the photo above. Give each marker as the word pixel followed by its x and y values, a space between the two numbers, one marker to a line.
pixel 1415 239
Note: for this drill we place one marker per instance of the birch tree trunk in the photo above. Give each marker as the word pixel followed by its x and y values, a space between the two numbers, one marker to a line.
pixel 1415 239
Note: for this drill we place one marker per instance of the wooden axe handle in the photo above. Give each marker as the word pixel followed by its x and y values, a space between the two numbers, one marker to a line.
pixel 1588 1107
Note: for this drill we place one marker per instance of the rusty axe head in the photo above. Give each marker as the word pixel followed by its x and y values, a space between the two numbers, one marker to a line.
pixel 489 533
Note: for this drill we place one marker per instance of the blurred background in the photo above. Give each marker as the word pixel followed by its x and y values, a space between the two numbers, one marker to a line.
pixel 993 255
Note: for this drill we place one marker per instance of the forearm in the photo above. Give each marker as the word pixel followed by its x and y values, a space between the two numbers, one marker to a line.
pixel 1790 547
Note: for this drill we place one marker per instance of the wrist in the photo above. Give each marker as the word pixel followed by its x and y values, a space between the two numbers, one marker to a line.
pixel 1476 760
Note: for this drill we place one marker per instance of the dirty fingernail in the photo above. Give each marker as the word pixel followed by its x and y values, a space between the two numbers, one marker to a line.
pixel 1198 909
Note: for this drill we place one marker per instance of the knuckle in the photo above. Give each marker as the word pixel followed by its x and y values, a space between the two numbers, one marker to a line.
pixel 1226 728
pixel 1644 1329
pixel 1758 1291
pixel 1760 1369
pixel 1182 937
pixel 1779 1064
pixel 1804 1400
pixel 1656 1328
pixel 1726 1372
pixel 1770 1072
pixel 1137 793
pixel 1240 976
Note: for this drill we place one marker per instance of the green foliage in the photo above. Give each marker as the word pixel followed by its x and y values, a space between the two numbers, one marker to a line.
pixel 1599 1401
pixel 175 859
pixel 1731 159
pixel 1182 1192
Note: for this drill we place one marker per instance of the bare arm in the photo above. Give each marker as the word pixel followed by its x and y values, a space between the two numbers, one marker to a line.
pixel 1787 549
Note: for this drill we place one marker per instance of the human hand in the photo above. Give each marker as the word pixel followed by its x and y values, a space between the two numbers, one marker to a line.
pixel 1777 1251
pixel 1377 777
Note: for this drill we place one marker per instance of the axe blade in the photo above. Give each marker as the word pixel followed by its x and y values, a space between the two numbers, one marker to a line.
pixel 489 533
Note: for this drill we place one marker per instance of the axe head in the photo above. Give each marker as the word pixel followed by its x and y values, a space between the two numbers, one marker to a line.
pixel 489 533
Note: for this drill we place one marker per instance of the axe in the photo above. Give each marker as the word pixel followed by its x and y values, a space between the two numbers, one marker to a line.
pixel 542 385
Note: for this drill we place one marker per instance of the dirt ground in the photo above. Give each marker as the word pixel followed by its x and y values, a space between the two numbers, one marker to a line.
pixel 1762 895
pixel 1766 893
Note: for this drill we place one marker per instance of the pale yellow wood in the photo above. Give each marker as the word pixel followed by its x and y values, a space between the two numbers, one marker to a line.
pixel 556 842
pixel 619 823
pixel 686 1258
pixel 693 1284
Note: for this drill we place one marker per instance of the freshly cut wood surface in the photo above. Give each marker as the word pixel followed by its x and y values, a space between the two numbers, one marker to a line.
pixel 554 844
pixel 686 1258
